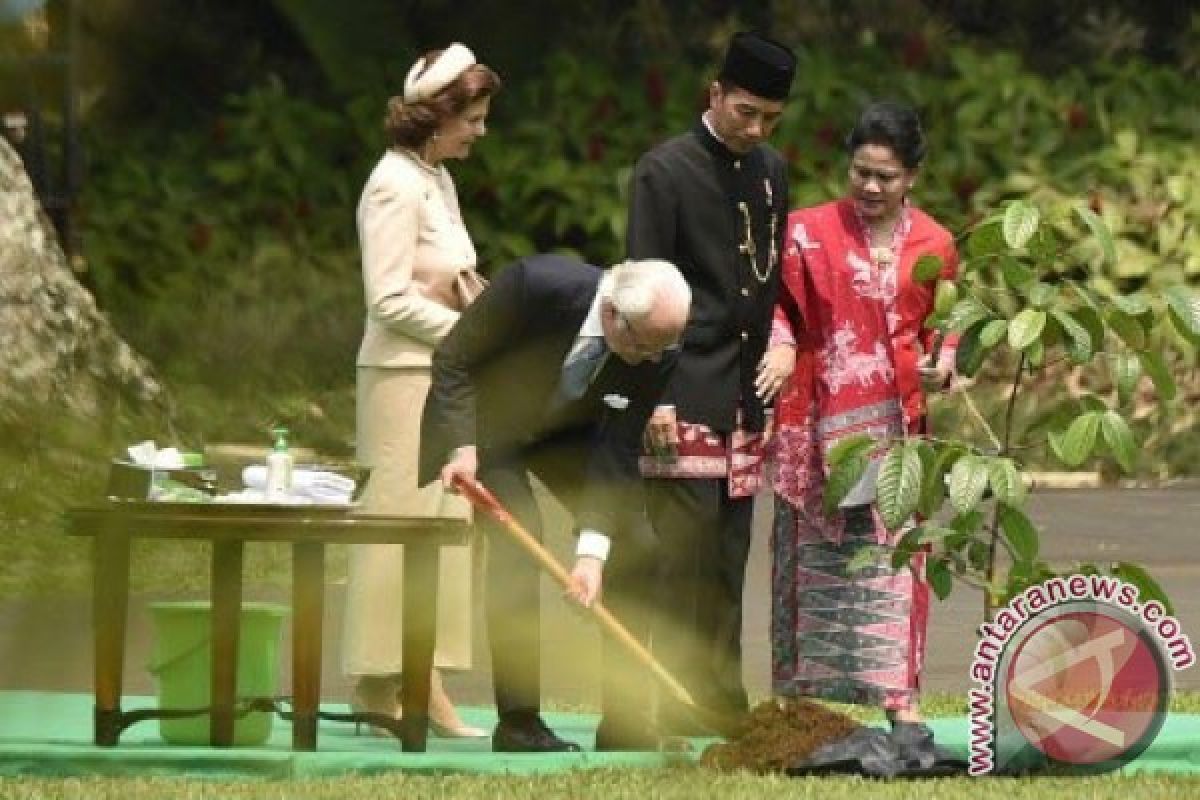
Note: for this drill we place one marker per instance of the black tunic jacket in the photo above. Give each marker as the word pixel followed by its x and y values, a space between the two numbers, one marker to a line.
pixel 686 207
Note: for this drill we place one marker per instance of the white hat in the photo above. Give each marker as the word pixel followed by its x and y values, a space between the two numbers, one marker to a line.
pixel 423 83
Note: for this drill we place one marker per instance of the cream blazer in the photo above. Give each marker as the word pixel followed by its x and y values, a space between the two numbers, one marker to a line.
pixel 413 244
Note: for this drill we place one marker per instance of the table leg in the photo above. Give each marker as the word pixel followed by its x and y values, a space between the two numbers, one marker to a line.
pixel 226 625
pixel 308 609
pixel 419 633
pixel 110 601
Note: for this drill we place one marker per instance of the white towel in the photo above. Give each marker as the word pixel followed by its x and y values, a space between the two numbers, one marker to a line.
pixel 318 485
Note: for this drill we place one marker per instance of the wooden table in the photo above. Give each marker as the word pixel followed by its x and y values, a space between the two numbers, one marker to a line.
pixel 114 525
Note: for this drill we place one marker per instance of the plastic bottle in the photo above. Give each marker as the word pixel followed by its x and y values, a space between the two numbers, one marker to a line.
pixel 279 468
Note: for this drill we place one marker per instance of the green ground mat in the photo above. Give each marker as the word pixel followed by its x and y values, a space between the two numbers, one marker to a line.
pixel 50 734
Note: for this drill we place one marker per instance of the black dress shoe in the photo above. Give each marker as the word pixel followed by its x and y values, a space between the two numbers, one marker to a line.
pixel 528 735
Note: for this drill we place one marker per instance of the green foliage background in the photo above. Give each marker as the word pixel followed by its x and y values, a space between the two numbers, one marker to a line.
pixel 227 143
pixel 225 248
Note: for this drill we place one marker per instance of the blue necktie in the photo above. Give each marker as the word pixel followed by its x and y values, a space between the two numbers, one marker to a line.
pixel 581 366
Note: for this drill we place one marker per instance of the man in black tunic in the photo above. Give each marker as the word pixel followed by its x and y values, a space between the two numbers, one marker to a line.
pixel 713 201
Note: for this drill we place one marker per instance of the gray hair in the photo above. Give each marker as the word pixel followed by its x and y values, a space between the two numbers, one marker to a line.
pixel 633 286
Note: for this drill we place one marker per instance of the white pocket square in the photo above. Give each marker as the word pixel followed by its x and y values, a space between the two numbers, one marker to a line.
pixel 617 401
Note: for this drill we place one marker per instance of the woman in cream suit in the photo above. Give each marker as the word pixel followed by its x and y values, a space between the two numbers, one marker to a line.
pixel 415 252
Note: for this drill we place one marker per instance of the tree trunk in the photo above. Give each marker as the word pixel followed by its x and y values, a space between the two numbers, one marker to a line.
pixel 58 354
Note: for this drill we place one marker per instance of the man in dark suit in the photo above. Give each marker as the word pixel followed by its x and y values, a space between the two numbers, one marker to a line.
pixel 714 202
pixel 553 371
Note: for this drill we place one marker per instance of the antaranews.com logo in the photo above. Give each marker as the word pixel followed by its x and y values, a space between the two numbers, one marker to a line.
pixel 1073 673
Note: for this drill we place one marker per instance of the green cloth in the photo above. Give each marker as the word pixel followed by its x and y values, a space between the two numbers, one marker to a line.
pixel 50 734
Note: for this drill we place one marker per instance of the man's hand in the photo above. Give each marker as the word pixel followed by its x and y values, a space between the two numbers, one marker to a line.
pixel 662 434
pixel 587 579
pixel 463 465
pixel 773 371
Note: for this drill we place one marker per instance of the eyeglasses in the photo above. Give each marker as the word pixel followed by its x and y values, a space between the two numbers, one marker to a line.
pixel 639 346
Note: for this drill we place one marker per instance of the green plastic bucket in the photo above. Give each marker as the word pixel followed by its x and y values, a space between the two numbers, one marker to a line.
pixel 181 663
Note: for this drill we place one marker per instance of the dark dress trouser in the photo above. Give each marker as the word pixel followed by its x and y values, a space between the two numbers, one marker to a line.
pixel 704 541
pixel 513 605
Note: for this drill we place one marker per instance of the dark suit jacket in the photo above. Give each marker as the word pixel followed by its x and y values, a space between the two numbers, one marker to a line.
pixel 496 385
pixel 683 208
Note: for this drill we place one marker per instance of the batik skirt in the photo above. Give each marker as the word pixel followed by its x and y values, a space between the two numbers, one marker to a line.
pixel 852 637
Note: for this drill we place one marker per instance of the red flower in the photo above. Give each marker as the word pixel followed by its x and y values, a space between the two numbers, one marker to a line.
pixel 596 147
pixel 915 52
pixel 965 187
pixel 1077 117
pixel 791 153
pixel 656 88
pixel 200 237
pixel 826 136
pixel 604 108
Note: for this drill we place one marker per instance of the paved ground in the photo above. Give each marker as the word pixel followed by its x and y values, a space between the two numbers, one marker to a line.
pixel 45 643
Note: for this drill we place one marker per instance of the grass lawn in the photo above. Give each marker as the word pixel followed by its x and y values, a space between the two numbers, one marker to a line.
pixel 674 782
pixel 678 782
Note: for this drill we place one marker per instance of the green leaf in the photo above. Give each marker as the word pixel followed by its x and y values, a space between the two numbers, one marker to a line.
pixel 927 268
pixel 909 543
pixel 932 534
pixel 1079 341
pixel 945 297
pixel 1132 304
pixel 1128 328
pixel 1119 438
pixel 898 486
pixel 841 480
pixel 1041 295
pixel 1005 480
pixel 1035 354
pixel 939 577
pixel 992 333
pixel 977 555
pixel 1079 439
pixel 933 483
pixel 1025 328
pixel 1019 531
pixel 1091 320
pixel 968 480
pixel 986 240
pixel 968 358
pixel 1100 231
pixel 1126 369
pixel 866 557
pixel 966 312
pixel 850 447
pixel 1020 223
pixel 1015 273
pixel 968 523
pixel 1044 244
pixel 1164 382
pixel 1183 305
pixel 1148 588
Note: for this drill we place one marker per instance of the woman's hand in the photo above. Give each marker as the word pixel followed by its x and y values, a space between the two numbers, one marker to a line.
pixel 773 371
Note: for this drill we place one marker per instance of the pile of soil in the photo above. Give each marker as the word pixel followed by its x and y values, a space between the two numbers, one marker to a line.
pixel 776 737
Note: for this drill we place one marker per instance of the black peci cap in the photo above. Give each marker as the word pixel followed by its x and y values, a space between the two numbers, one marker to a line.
pixel 759 65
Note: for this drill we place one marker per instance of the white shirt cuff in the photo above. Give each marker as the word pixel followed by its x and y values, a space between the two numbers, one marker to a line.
pixel 594 544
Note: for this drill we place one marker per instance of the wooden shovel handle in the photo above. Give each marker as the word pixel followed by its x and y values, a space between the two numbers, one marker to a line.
pixel 486 502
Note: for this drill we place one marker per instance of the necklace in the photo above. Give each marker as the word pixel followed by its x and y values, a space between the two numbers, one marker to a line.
pixel 747 246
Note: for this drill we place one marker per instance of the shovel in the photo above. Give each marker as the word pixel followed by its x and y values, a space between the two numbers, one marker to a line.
pixel 486 502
